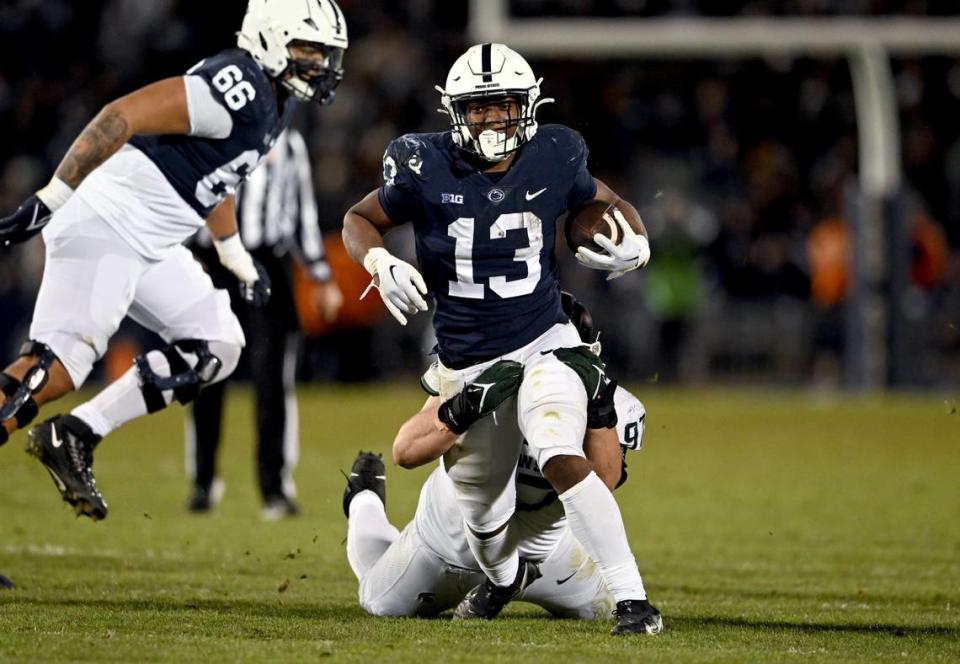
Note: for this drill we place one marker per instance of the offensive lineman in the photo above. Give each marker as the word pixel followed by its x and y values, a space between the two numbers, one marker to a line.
pixel 428 568
pixel 483 199
pixel 148 171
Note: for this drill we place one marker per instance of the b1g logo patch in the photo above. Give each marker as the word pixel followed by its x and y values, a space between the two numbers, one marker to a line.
pixel 455 199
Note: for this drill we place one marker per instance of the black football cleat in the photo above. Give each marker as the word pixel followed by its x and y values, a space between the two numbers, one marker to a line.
pixel 64 445
pixel 486 601
pixel 6 583
pixel 637 616
pixel 367 474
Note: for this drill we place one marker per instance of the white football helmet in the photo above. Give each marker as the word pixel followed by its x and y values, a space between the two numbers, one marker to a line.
pixel 269 28
pixel 490 71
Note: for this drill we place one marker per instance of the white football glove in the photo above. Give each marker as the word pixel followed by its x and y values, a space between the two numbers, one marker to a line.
pixel 632 253
pixel 401 286
pixel 254 280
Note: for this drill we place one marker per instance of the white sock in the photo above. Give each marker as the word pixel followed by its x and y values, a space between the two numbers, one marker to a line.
pixel 594 518
pixel 369 533
pixel 497 556
pixel 122 400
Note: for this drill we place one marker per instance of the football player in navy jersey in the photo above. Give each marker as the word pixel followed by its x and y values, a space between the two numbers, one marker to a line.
pixel 429 567
pixel 148 171
pixel 484 199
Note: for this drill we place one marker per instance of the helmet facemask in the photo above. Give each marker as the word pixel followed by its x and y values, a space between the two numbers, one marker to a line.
pixel 308 80
pixel 493 144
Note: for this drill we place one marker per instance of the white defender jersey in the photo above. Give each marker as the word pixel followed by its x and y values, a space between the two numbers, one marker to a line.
pixel 539 520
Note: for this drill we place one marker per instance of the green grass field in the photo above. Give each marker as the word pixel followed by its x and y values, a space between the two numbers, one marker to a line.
pixel 770 527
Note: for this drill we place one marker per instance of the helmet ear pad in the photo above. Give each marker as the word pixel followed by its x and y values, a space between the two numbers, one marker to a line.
pixel 530 129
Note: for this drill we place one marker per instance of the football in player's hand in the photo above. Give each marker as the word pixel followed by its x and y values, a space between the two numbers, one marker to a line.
pixel 597 217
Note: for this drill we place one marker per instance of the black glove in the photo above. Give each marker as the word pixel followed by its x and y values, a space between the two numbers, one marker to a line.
pixel 257 293
pixel 491 388
pixel 601 410
pixel 27 221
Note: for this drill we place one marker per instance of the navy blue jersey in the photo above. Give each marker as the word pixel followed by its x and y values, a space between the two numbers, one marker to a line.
pixel 205 170
pixel 485 244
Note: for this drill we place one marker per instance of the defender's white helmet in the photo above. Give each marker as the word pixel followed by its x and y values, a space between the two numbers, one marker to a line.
pixel 270 26
pixel 489 71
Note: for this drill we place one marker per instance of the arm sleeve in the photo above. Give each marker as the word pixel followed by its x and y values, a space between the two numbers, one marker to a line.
pixel 310 239
pixel 208 118
pixel 583 187
pixel 400 205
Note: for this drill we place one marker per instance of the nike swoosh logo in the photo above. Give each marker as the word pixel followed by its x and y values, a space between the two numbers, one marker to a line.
pixel 55 437
pixel 562 581
pixel 486 388
pixel 530 196
pixel 57 480
pixel 37 221
pixel 600 381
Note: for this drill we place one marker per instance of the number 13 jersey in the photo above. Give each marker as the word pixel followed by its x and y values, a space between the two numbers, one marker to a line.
pixel 158 190
pixel 485 244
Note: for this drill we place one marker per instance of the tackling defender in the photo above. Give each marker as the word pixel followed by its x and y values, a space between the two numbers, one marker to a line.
pixel 144 175
pixel 428 568
pixel 483 199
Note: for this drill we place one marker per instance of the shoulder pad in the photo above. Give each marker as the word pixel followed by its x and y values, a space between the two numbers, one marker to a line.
pixel 238 82
pixel 404 160
pixel 568 143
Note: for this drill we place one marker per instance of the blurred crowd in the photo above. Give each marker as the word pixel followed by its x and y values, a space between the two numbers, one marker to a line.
pixel 740 168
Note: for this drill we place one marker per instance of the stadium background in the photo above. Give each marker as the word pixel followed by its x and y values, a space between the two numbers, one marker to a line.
pixel 739 167
pixel 770 524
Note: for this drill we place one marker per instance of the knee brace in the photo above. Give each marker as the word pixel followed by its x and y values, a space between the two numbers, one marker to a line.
pixel 20 403
pixel 190 365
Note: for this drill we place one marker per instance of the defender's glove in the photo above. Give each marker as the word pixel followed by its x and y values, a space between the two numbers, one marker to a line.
pixel 601 410
pixel 254 282
pixel 34 214
pixel 401 286
pixel 632 253
pixel 491 388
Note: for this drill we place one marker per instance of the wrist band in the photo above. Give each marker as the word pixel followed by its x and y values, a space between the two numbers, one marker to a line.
pixel 55 194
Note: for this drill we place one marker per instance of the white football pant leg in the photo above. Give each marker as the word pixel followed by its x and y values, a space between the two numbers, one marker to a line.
pixel 369 532
pixel 176 299
pixel 410 580
pixel 482 467
pixel 571 585
pixel 552 407
pixel 89 281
